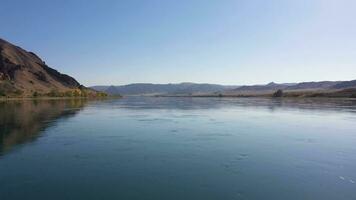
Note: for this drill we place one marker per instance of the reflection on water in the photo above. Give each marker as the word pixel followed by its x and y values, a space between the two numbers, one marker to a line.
pixel 24 121
pixel 178 148
pixel 186 103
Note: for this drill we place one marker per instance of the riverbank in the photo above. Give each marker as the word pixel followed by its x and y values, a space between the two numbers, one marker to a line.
pixel 55 98
pixel 342 94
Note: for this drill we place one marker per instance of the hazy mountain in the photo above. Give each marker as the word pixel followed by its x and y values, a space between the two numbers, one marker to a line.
pixel 100 88
pixel 154 89
pixel 303 86
pixel 196 89
pixel 22 73
pixel 268 87
pixel 344 85
pixel 313 85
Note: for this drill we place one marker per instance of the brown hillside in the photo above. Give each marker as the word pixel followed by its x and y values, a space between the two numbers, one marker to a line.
pixel 23 73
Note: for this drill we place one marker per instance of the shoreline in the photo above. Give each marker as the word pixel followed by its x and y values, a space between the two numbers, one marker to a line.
pixel 179 96
pixel 52 98
pixel 338 94
pixel 259 97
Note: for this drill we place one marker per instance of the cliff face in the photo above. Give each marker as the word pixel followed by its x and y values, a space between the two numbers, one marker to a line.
pixel 23 72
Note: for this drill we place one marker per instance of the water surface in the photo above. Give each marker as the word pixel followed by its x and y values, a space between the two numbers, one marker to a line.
pixel 178 148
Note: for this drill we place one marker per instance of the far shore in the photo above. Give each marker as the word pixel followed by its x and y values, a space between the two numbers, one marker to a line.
pixel 240 96
pixel 180 96
pixel 54 98
pixel 335 94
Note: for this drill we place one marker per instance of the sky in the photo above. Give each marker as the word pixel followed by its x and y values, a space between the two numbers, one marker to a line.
pixel 233 42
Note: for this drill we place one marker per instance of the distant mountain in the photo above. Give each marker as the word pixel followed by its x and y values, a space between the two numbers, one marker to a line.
pixel 23 73
pixel 155 89
pixel 313 85
pixel 100 88
pixel 344 85
pixel 303 86
pixel 213 89
pixel 268 87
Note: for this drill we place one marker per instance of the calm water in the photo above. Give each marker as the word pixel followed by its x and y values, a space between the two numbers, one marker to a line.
pixel 178 148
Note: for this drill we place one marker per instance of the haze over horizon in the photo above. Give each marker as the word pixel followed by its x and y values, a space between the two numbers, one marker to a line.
pixel 223 42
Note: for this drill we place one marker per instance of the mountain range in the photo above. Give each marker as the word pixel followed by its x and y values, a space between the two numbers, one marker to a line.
pixel 24 74
pixel 197 89
pixel 160 89
pixel 295 87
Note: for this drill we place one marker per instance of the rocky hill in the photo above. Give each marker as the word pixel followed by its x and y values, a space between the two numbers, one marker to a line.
pixel 23 73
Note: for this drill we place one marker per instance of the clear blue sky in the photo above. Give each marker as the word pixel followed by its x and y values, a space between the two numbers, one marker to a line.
pixel 215 41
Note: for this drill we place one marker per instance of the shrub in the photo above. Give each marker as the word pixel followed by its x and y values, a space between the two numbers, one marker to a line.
pixel 83 94
pixel 35 94
pixel 2 93
pixel 18 92
pixel 278 93
pixel 77 93
pixel 68 94
pixel 53 93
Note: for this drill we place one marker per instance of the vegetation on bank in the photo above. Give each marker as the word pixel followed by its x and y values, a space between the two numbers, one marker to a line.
pixel 345 93
pixel 73 93
pixel 278 93
pixel 8 90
